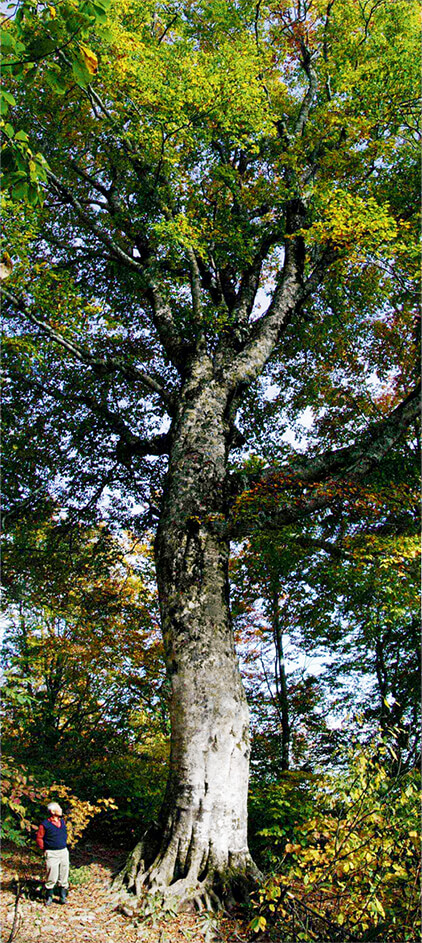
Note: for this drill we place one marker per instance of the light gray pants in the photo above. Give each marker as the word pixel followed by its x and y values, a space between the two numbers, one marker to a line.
pixel 57 864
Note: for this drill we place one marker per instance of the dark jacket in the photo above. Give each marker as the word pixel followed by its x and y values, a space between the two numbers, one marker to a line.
pixel 51 837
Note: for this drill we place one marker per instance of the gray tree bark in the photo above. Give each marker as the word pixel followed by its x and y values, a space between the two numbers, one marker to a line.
pixel 200 851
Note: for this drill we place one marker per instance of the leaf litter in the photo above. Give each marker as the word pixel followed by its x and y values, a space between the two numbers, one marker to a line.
pixel 89 915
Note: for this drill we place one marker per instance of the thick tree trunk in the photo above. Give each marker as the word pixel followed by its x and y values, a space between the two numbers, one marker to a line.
pixel 200 850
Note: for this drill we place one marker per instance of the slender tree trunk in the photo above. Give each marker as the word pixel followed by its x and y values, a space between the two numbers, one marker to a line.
pixel 200 850
pixel 281 682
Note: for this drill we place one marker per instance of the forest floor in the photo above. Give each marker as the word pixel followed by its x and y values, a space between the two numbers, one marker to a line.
pixel 88 916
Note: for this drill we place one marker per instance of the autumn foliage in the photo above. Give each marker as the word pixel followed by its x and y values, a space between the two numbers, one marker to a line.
pixel 25 799
pixel 211 230
pixel 351 869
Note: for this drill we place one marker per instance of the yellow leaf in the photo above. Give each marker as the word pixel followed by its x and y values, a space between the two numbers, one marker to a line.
pixel 90 59
pixel 379 907
pixel 6 266
pixel 53 12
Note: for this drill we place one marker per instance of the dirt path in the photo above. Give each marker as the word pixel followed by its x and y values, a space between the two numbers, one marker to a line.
pixel 88 916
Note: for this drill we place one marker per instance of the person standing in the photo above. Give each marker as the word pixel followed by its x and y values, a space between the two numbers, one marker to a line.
pixel 51 837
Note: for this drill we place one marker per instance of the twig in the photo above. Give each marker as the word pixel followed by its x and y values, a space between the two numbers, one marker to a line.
pixel 16 914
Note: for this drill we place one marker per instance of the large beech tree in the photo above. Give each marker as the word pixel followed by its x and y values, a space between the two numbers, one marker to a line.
pixel 234 176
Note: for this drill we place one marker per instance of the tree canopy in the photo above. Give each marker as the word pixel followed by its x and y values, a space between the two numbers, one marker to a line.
pixel 211 331
pixel 176 184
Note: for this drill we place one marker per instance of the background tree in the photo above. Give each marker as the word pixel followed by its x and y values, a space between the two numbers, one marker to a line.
pixel 285 696
pixel 350 601
pixel 84 692
pixel 220 151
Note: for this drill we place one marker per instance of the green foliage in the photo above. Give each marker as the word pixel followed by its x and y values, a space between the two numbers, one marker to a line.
pixel 351 869
pixel 347 590
pixel 277 812
pixel 192 136
pixel 83 699
pixel 136 778
pixel 48 38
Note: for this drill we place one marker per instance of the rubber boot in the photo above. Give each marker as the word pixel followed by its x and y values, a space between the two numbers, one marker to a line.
pixel 63 895
pixel 48 897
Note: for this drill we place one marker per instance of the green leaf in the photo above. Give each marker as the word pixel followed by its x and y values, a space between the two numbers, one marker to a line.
pixel 20 190
pixel 80 73
pixel 7 40
pixel 8 97
pixel 97 11
pixel 379 907
pixel 258 924
pixel 34 195
pixel 6 101
pixel 56 82
pixel 100 14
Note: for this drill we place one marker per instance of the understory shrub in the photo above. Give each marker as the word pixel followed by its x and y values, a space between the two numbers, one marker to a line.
pixel 24 800
pixel 351 871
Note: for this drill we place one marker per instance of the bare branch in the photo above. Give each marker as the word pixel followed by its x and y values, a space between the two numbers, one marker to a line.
pixel 88 178
pixel 169 335
pixel 129 444
pixel 250 284
pixel 314 543
pixel 174 345
pixel 358 459
pixel 195 284
pixel 167 28
pixel 311 91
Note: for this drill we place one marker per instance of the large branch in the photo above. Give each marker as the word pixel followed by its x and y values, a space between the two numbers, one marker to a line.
pixel 248 364
pixel 355 461
pixel 100 365
pixel 176 348
pixel 249 284
pixel 164 322
pixel 349 464
pixel 129 444
pixel 306 62
pixel 163 318
pixel 92 225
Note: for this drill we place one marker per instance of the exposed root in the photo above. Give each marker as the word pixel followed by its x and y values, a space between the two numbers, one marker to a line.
pixel 137 862
pixel 138 888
